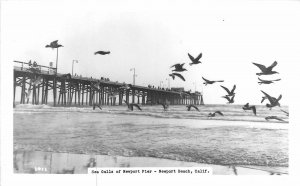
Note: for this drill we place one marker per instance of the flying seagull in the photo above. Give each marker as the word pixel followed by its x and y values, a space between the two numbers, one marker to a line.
pixel 54 44
pixel 210 82
pixel 229 93
pixel 273 102
pixel 94 106
pixel 131 105
pixel 265 70
pixel 102 52
pixel 273 117
pixel 190 106
pixel 247 107
pixel 178 75
pixel 178 67
pixel 195 60
pixel 230 100
pixel 214 114
pixel 267 81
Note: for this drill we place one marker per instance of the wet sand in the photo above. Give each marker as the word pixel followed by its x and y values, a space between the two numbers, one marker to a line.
pixel 38 162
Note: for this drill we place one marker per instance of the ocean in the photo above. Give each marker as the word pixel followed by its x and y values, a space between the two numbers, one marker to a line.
pixel 237 138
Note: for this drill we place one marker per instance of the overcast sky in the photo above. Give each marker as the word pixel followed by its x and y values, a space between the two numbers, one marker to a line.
pixel 151 36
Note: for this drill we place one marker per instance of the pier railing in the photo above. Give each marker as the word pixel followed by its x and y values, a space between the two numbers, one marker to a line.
pixel 38 84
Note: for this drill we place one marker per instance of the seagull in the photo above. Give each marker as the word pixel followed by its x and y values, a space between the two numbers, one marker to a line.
pixel 247 107
pixel 287 113
pixel 94 106
pixel 178 67
pixel 214 114
pixel 195 60
pixel 267 81
pixel 54 44
pixel 190 106
pixel 273 117
pixel 102 52
pixel 131 105
pixel 265 70
pixel 230 100
pixel 210 82
pixel 178 75
pixel 229 93
pixel 273 101
pixel 165 105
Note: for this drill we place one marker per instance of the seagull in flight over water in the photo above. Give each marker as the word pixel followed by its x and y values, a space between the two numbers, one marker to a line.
pixel 247 107
pixel 214 114
pixel 54 44
pixel 210 82
pixel 266 70
pixel 178 67
pixel 273 101
pixel 229 93
pixel 190 106
pixel 261 81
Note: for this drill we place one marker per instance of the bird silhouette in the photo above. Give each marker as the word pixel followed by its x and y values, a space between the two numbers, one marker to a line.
pixel 178 75
pixel 230 100
pixel 195 60
pixel 97 105
pixel 54 44
pixel 190 106
pixel 102 52
pixel 273 102
pixel 229 93
pixel 214 114
pixel 210 82
pixel 261 81
pixel 178 67
pixel 273 117
pixel 265 70
pixel 247 107
pixel 131 105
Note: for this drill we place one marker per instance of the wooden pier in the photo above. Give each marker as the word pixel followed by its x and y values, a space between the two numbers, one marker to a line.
pixel 42 85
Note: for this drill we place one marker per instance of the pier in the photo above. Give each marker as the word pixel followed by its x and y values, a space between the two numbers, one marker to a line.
pixel 42 85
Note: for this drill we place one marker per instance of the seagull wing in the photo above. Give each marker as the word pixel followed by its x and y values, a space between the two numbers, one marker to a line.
pixel 228 92
pixel 279 98
pixel 174 65
pixel 179 75
pixel 191 57
pixel 272 66
pixel 195 107
pixel 198 57
pixel 253 109
pixel 276 80
pixel 261 67
pixel 261 80
pixel 226 97
pixel 205 79
pixel 272 101
pixel 219 112
pixel 233 89
pixel 172 75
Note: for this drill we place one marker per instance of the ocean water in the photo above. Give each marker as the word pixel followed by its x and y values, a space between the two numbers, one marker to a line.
pixel 237 138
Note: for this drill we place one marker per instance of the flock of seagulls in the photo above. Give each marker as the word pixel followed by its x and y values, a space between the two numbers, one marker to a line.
pixel 176 72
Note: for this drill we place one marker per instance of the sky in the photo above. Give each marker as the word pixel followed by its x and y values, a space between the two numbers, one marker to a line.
pixel 150 36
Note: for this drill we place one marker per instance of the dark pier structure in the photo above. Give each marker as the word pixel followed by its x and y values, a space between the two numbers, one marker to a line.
pixel 42 85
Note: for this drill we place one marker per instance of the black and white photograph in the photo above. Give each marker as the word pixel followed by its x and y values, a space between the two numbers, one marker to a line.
pixel 173 86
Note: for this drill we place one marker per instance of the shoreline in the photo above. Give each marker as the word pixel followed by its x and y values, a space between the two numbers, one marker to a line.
pixel 41 162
